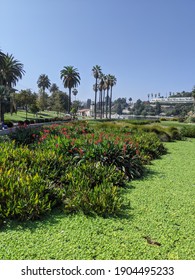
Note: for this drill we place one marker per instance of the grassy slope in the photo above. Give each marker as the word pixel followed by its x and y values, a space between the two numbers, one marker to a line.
pixel 21 115
pixel 162 207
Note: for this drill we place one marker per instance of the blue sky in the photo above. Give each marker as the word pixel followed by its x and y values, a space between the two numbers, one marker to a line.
pixel 149 45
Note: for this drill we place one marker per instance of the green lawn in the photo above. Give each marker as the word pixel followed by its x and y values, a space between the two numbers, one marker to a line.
pixel 21 115
pixel 162 207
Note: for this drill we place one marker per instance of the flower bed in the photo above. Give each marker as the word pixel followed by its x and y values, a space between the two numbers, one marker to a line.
pixel 71 166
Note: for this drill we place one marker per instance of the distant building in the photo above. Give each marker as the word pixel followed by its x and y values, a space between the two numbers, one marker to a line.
pixel 173 100
pixel 84 113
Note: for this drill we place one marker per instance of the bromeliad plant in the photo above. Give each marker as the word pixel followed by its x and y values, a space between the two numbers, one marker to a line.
pixel 70 166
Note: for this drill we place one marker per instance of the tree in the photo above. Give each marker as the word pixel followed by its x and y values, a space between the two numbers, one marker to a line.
pixel 54 88
pixel 88 103
pixel 25 98
pixel 58 101
pixel 107 86
pixel 75 92
pixel 97 72
pixel 11 70
pixel 101 85
pixel 112 83
pixel 193 95
pixel 71 78
pixel 119 109
pixel 43 84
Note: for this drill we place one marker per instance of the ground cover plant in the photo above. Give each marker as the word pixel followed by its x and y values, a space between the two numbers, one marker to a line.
pixel 71 166
pixel 161 208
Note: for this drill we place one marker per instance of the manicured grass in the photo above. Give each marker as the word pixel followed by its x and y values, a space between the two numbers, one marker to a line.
pixel 162 206
pixel 21 115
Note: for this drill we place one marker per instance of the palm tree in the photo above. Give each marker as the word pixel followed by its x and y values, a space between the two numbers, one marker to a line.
pixel 107 86
pixel 74 92
pixel 113 80
pixel 11 70
pixel 101 87
pixel 53 88
pixel 71 79
pixel 97 72
pixel 43 83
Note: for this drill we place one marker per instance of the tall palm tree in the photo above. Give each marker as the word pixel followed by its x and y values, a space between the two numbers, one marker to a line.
pixel 43 83
pixel 97 72
pixel 71 78
pixel 101 87
pixel 107 86
pixel 112 83
pixel 11 70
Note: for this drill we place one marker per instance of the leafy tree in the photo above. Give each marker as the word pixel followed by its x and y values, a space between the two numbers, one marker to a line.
pixel 119 109
pixel 97 72
pixel 71 78
pixel 58 101
pixel 193 95
pixel 25 98
pixel 158 108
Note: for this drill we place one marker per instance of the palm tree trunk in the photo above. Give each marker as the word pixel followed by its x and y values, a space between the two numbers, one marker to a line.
pixel 1 110
pixel 95 105
pixel 110 102
pixel 69 101
pixel 107 103
pixel 103 105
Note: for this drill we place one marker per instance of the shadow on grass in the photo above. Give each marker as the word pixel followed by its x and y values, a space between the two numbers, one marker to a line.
pixel 54 217
pixel 49 219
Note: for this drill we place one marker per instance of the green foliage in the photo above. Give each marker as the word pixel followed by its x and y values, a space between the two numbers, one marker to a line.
pixel 76 166
pixel 150 146
pixel 162 207
pixel 24 135
pixel 92 188
pixel 23 196
pixel 188 131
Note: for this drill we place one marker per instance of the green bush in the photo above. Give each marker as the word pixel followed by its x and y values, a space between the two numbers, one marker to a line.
pixel 93 188
pixel 150 146
pixel 188 131
pixel 23 196
pixel 33 181
pixel 24 135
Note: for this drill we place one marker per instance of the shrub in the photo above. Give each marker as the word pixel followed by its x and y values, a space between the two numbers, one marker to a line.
pixel 23 196
pixel 188 131
pixel 150 146
pixel 92 188
pixel 174 133
pixel 25 135
pixel 29 181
